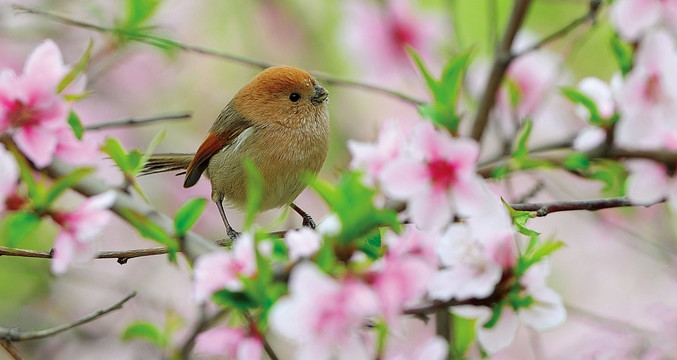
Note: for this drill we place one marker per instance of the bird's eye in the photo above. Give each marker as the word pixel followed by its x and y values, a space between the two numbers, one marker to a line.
pixel 294 97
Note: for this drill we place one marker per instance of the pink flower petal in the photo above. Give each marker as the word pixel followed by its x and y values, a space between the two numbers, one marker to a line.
pixel 403 178
pixel 632 17
pixel 647 182
pixel 37 144
pixel 46 62
pixel 546 312
pixel 430 209
pixel 64 252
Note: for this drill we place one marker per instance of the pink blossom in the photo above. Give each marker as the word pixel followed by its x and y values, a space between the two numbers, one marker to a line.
pixel 322 316
pixel 222 270
pixel 391 27
pixel 436 177
pixel 415 341
pixel 649 182
pixel 302 243
pixel 648 98
pixel 400 281
pixel 30 106
pixel 10 176
pixel 632 18
pixel 79 229
pixel 473 266
pixel 373 158
pixel 545 312
pixel 413 242
pixel 232 342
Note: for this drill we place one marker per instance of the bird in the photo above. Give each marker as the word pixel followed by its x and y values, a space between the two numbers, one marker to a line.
pixel 279 121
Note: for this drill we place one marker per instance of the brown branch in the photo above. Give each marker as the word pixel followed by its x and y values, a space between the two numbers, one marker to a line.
pixel 501 62
pixel 11 350
pixel 590 16
pixel 203 324
pixel 545 208
pixel 138 121
pixel 17 335
pixel 152 40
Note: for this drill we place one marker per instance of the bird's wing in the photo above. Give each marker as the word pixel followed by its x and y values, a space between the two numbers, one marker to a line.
pixel 218 137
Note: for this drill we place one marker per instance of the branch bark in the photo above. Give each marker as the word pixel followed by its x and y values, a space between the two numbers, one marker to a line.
pixel 138 121
pixel 10 335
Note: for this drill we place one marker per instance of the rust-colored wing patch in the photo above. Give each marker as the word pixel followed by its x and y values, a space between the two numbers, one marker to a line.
pixel 197 166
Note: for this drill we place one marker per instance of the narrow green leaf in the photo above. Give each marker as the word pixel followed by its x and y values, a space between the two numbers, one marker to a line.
pixel 17 226
pixel 78 69
pixel 64 183
pixel 452 77
pixel 495 316
pixel 145 331
pixel 521 147
pixel 139 11
pixel 76 125
pixel 237 300
pixel 429 79
pixel 150 230
pixel 149 151
pixel 623 53
pixel 576 162
pixel 117 153
pixel 612 174
pixel 188 214
pixel 254 192
pixel 500 172
pixel 578 97
pixel 464 335
pixel 78 97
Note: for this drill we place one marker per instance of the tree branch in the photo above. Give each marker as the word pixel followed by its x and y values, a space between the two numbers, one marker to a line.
pixel 501 62
pixel 12 350
pixel 138 121
pixel 589 16
pixel 153 40
pixel 545 208
pixel 16 335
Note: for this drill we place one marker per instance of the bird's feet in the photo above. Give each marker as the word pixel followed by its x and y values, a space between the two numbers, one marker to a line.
pixel 308 221
pixel 232 234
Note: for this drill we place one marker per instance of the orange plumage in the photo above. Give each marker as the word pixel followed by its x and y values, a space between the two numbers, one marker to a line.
pixel 280 121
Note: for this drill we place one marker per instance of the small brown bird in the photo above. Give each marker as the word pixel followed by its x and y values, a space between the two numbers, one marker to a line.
pixel 280 121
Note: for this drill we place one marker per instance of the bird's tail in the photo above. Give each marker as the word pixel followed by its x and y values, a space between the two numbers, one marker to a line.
pixel 159 163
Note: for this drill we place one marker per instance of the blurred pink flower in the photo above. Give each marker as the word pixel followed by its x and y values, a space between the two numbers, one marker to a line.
pixel 390 143
pixel 648 98
pixel 604 96
pixel 546 311
pixel 399 281
pixel 415 341
pixel 79 228
pixel 632 18
pixel 473 265
pixel 413 242
pixel 302 243
pixel 232 342
pixel 323 316
pixel 377 34
pixel 10 175
pixel 222 270
pixel 30 106
pixel 649 182
pixel 436 176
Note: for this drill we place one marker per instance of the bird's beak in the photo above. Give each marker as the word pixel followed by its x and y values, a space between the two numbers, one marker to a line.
pixel 321 94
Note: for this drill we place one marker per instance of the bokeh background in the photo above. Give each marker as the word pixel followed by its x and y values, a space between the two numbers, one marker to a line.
pixel 616 274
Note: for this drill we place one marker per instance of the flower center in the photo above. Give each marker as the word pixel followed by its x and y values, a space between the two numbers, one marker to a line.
pixel 442 173
pixel 22 115
pixel 653 91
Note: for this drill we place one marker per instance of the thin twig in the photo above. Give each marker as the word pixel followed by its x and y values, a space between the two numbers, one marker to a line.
pixel 126 122
pixel 545 208
pixel 210 52
pixel 203 324
pixel 12 350
pixel 17 335
pixel 501 62
pixel 266 345
pixel 589 16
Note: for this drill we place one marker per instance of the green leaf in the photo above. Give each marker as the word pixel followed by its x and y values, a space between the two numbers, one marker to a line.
pixel 150 230
pixel 495 316
pixel 576 161
pixel 145 331
pixel 325 258
pixel 500 172
pixel 76 125
pixel 79 68
pixel 254 192
pixel 64 183
pixel 623 53
pixel 464 335
pixel 536 252
pixel 521 147
pixel 36 192
pixel 139 11
pixel 188 214
pixel 117 153
pixel 578 97
pixel 429 79
pixel 143 158
pixel 238 300
pixel 371 246
pixel 17 226
pixel 612 174
pixel 520 219
pixel 353 203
